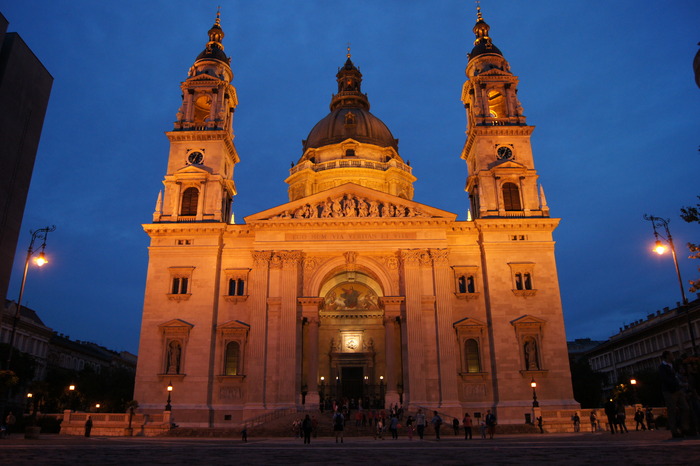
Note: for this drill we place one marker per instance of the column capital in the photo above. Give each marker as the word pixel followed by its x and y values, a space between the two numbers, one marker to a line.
pixel 391 303
pixel 439 256
pixel 261 258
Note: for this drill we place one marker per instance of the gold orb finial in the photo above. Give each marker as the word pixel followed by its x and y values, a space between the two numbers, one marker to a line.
pixel 348 55
pixel 478 11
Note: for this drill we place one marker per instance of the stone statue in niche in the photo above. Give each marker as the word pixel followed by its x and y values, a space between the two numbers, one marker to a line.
pixel 174 353
pixel 530 352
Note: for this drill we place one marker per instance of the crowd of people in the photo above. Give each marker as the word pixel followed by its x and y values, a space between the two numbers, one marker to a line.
pixel 382 423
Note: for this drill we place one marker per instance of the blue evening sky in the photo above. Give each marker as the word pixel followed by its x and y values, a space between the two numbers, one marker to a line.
pixel 608 85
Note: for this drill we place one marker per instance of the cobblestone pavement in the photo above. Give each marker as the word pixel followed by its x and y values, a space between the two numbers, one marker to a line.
pixel 655 448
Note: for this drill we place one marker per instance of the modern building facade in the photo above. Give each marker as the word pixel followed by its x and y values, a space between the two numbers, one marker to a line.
pixel 638 346
pixel 25 86
pixel 352 290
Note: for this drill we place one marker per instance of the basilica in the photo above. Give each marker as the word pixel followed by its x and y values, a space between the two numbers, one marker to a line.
pixel 352 291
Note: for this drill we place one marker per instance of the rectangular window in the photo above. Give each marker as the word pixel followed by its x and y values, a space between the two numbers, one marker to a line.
pixel 179 285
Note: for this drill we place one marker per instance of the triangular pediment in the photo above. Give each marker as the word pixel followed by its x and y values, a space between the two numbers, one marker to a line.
pixel 351 201
pixel 176 323
pixel 194 170
pixel 468 323
pixel 234 325
pixel 528 321
pixel 507 165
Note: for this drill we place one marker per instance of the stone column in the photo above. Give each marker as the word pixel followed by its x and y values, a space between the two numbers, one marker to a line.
pixel 447 356
pixel 410 259
pixel 392 395
pixel 289 362
pixel 257 343
pixel 310 307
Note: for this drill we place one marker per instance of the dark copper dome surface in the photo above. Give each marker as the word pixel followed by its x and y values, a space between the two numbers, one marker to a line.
pixel 350 122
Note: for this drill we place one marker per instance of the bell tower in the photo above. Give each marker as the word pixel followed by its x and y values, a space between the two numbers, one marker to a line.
pixel 502 180
pixel 199 183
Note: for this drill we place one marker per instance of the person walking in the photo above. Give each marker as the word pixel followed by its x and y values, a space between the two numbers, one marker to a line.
pixel 436 421
pixel 338 426
pixel 88 426
pixel 455 425
pixel 307 427
pixel 594 421
pixel 409 427
pixel 678 418
pixel 611 414
pixel 490 423
pixel 10 421
pixel 394 425
pixel 467 423
pixel 420 423
pixel 539 424
pixel 577 422
pixel 649 415
pixel 621 418
pixel 639 419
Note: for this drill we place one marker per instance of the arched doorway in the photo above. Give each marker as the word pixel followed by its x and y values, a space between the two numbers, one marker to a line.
pixel 351 341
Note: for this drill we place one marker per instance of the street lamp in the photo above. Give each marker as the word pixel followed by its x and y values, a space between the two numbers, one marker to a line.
pixel 41 234
pixel 168 407
pixel 533 384
pixel 659 248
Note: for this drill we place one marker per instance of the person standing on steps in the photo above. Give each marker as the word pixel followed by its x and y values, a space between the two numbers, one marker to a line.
pixel 490 423
pixel 467 423
pixel 338 426
pixel 436 421
pixel 420 423
pixel 307 427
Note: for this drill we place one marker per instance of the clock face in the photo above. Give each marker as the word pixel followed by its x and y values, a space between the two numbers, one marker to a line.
pixel 504 152
pixel 195 157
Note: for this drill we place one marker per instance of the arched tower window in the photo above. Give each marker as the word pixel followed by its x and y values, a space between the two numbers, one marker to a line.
pixel 190 198
pixel 471 355
pixel 511 196
pixel 497 105
pixel 233 356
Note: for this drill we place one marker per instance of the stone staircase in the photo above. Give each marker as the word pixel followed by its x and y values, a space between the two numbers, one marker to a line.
pixel 282 427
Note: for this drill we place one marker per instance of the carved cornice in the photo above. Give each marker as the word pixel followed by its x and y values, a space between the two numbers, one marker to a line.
pixel 525 293
pixel 467 296
pixel 179 297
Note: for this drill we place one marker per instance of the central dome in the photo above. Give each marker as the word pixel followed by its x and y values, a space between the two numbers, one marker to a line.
pixel 350 123
pixel 350 145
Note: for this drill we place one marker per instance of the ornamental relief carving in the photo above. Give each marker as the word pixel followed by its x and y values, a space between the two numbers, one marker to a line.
pixel 440 256
pixel 261 258
pixel 351 206
pixel 413 256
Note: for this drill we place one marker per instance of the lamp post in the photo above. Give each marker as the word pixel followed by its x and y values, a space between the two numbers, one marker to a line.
pixel 535 403
pixel 659 248
pixel 41 234
pixel 168 407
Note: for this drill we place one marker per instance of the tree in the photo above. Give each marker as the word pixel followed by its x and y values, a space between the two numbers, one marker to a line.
pixel 690 215
pixel 586 384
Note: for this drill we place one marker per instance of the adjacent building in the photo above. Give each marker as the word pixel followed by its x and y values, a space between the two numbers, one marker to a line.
pixel 638 346
pixel 352 290
pixel 25 86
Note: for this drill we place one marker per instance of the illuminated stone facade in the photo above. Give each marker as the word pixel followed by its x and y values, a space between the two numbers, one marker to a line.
pixel 352 289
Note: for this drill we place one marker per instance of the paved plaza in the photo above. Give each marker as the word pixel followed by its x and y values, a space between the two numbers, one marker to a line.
pixel 584 448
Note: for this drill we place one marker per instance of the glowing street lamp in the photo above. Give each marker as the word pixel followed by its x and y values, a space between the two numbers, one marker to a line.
pixel 535 403
pixel 168 407
pixel 41 234
pixel 660 248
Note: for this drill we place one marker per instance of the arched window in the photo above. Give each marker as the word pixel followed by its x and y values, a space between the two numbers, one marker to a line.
pixel 471 355
pixel 190 198
pixel 233 356
pixel 511 196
